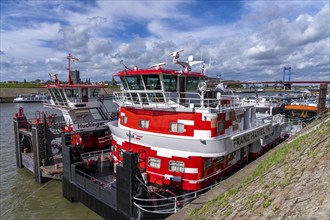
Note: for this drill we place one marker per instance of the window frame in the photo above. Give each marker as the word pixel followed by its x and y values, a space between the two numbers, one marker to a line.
pixel 152 82
pixel 177 126
pixel 177 168
pixel 192 83
pixel 157 162
pixel 144 123
pixel 170 83
pixel 132 85
pixel 94 92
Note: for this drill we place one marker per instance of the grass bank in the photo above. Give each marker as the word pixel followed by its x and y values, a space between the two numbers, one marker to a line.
pixel 20 85
pixel 261 194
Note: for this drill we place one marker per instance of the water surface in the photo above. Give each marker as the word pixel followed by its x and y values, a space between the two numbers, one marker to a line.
pixel 20 196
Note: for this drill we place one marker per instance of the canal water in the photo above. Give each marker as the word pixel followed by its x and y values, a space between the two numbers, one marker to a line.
pixel 20 196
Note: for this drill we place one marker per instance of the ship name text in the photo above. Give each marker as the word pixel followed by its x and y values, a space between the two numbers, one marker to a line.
pixel 247 138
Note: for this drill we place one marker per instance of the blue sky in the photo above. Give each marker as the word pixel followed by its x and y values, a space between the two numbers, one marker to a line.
pixel 241 40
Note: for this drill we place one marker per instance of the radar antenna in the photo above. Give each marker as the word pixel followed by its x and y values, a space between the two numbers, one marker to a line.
pixel 158 65
pixel 186 65
pixel 176 54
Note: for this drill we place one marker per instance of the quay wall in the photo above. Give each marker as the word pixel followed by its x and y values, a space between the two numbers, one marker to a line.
pixel 7 95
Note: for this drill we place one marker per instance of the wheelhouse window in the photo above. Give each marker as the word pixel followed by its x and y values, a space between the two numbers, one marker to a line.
pixel 154 162
pixel 207 163
pixel 176 127
pixel 170 83
pixel 134 82
pixel 72 93
pixel 192 83
pixel 51 92
pixel 152 82
pixel 95 92
pixel 124 82
pixel 144 124
pixel 124 119
pixel 68 93
pixel 176 166
pixel 59 96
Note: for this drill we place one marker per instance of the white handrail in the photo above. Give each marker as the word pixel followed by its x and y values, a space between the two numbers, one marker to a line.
pixel 171 201
pixel 170 99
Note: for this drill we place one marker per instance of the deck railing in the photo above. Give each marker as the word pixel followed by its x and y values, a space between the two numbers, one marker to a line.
pixel 169 205
pixel 157 99
pixel 100 189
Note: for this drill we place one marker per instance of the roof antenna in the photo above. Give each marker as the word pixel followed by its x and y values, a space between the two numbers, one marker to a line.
pixel 204 67
pixel 176 55
pixel 122 62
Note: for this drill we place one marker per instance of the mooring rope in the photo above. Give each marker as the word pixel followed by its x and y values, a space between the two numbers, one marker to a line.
pixel 21 202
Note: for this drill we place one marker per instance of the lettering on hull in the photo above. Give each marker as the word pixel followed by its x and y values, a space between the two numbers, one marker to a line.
pixel 250 137
pixel 88 125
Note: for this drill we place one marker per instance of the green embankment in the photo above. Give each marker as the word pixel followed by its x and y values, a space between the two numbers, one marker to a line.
pixel 20 85
pixel 261 194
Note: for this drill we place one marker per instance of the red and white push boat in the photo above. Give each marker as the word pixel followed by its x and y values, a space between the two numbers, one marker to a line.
pixel 188 140
pixel 83 109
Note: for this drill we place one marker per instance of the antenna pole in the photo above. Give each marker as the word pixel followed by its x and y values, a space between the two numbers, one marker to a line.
pixel 69 79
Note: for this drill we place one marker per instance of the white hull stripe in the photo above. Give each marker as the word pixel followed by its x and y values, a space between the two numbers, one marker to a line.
pixel 188 180
pixel 191 170
pixel 187 122
pixel 220 137
pixel 202 134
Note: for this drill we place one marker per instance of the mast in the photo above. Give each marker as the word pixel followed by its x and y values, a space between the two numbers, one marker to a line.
pixel 69 57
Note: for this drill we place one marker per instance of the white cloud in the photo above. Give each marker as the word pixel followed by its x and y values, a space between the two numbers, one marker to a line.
pixel 25 42
pixel 266 37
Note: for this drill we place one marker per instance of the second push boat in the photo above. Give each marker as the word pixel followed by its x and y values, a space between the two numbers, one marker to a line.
pixel 188 141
